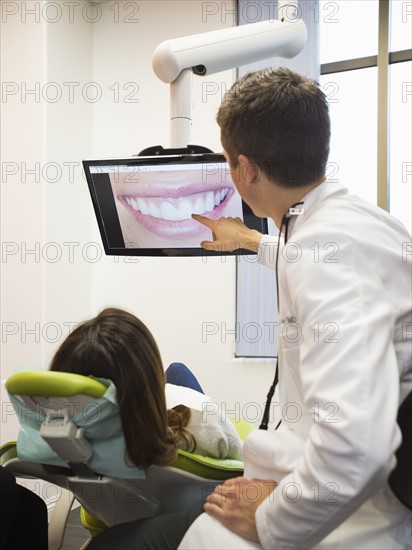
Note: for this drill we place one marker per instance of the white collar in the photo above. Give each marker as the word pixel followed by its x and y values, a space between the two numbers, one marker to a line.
pixel 312 198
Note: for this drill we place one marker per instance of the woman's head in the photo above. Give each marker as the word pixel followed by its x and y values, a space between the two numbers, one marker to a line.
pixel 118 346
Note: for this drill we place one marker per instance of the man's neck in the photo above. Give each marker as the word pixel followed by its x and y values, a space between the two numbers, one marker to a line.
pixel 284 198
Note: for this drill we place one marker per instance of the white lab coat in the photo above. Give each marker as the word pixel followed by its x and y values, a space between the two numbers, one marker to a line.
pixel 345 366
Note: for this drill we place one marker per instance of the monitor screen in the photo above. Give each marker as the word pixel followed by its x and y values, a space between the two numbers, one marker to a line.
pixel 144 205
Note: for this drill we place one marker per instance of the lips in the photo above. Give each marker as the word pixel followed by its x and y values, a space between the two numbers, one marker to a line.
pixel 170 216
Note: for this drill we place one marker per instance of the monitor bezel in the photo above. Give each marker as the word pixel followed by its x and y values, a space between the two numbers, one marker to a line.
pixel 252 221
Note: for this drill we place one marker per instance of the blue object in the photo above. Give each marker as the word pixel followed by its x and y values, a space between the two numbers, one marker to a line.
pixel 179 375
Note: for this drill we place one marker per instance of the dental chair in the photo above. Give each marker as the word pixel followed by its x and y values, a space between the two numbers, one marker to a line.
pixel 70 435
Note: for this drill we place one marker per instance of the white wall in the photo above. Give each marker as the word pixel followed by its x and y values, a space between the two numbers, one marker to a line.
pixel 22 146
pixel 61 283
pixel 44 136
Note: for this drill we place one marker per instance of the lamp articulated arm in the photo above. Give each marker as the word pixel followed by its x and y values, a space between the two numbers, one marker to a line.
pixel 208 53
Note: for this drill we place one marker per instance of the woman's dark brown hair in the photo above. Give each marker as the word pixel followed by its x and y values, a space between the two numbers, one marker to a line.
pixel 118 346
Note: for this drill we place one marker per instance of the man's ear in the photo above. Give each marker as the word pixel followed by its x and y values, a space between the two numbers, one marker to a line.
pixel 250 169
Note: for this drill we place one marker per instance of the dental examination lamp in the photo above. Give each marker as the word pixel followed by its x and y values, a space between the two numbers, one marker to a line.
pixel 208 53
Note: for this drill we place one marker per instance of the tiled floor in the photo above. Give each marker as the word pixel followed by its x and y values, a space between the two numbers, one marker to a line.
pixel 76 534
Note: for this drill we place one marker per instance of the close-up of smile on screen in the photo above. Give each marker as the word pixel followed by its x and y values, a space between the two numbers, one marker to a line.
pixel 154 203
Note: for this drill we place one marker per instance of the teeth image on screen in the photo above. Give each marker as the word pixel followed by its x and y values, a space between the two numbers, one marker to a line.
pixel 177 209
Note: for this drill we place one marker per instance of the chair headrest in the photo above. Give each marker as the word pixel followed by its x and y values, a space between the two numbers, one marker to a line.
pixel 57 384
pixel 91 404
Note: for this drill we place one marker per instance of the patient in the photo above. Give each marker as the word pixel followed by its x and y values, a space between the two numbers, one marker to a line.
pixel 117 346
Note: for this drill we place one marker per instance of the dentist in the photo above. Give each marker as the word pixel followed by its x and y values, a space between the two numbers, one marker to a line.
pixel 345 357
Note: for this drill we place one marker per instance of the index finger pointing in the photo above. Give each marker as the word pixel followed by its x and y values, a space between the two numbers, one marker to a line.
pixel 203 220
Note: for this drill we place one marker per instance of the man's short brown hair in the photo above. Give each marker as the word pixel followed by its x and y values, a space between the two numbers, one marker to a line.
pixel 280 120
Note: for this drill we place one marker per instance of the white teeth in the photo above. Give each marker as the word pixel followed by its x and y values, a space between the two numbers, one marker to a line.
pixel 199 206
pixel 210 202
pixel 169 212
pixel 154 210
pixel 178 209
pixel 142 206
pixel 185 210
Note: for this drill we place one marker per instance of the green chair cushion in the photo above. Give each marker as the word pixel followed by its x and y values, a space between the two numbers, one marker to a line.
pixel 56 384
pixel 207 467
pixel 8 451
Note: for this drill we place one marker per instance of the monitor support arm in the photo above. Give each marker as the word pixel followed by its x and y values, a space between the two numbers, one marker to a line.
pixel 175 60
pixel 181 109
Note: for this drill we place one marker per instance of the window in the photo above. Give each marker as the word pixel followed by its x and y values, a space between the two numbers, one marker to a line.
pixel 400 25
pixel 400 142
pixel 368 91
pixel 352 106
pixel 348 29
